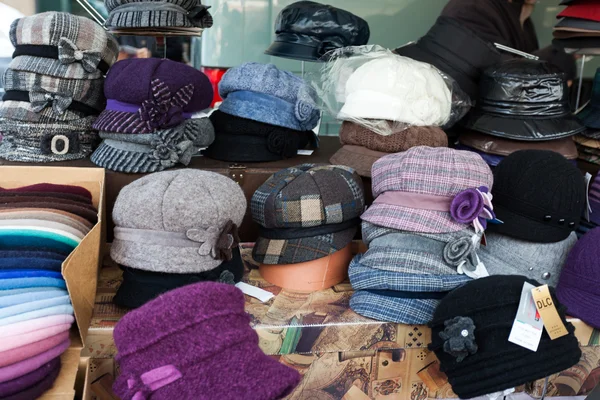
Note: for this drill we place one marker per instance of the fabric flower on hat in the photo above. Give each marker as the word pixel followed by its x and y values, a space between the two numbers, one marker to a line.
pixel 459 338
pixel 165 110
pixel 473 206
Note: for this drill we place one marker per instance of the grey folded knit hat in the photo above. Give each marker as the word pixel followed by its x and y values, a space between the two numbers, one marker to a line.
pixel 504 255
pixel 45 142
pixel 182 221
pixel 157 14
pixel 153 152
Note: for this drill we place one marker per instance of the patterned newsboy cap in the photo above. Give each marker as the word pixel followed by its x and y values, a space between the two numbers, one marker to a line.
pixel 306 212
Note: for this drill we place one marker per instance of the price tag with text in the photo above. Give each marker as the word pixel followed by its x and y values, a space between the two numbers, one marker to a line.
pixel 545 306
pixel 528 327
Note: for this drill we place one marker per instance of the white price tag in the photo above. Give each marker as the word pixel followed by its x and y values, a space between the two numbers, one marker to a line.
pixel 525 335
pixel 305 152
pixel 528 326
pixel 588 207
pixel 255 292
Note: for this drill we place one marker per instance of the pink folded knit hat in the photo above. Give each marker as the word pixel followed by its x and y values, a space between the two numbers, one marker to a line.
pixel 19 354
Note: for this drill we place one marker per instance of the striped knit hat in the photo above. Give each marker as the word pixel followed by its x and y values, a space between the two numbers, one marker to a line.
pixel 158 14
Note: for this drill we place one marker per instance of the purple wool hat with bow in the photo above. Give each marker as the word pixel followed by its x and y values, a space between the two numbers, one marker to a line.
pixel 147 95
pixel 431 190
pixel 196 343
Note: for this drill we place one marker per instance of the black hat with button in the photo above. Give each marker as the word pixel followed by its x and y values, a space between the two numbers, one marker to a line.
pixel 539 195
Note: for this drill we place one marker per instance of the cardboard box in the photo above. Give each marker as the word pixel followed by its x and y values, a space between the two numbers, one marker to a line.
pixel 80 269
pixel 340 354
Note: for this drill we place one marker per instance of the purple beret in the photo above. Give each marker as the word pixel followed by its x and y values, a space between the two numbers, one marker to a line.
pixel 146 95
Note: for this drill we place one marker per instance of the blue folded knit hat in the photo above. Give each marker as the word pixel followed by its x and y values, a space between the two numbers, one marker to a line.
pixel 35 260
pixel 18 309
pixel 12 239
pixel 23 283
pixel 14 292
pixel 29 273
pixel 28 297
pixel 38 313
pixel 264 93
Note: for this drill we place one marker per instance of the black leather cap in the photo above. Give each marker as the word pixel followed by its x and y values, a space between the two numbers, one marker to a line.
pixel 307 30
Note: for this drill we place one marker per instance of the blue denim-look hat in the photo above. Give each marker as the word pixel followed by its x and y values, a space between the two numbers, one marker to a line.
pixel 264 93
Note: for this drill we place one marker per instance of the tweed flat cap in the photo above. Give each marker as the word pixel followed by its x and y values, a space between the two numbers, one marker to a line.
pixel 62 45
pixel 153 152
pixel 28 112
pixel 306 212
pixel 264 93
pixel 150 94
pixel 182 221
pixel 359 158
pixel 157 14
pixel 415 190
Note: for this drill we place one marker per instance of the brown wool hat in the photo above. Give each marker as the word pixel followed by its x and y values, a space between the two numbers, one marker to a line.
pixel 357 135
pixel 504 147
pixel 358 157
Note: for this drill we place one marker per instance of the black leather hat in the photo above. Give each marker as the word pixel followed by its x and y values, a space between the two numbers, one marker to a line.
pixel 307 30
pixel 455 50
pixel 524 99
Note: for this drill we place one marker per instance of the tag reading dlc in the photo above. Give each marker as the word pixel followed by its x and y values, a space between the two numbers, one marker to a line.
pixel 545 306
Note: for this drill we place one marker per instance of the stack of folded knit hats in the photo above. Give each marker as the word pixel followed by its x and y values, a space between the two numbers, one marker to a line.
pixel 175 228
pixel 40 225
pixel 423 232
pixel 196 342
pixel 266 115
pixel 54 87
pixel 540 197
pixel 588 142
pixel 147 125
pixel 523 105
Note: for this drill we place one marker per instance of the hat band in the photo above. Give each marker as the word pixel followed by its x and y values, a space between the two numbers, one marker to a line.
pixel 417 201
pixel 299 233
pixel 47 51
pixel 116 105
pixel 529 110
pixel 21 95
pixel 408 295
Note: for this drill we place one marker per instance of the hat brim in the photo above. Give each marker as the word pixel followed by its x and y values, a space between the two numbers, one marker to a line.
pixel 580 304
pixel 359 158
pixel 293 251
pixel 520 227
pixel 393 309
pixel 294 51
pixel 526 129
pixel 131 162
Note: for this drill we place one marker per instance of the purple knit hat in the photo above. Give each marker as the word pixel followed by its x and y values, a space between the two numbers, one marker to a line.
pixel 418 190
pixel 579 283
pixel 196 343
pixel 147 95
pixel 47 372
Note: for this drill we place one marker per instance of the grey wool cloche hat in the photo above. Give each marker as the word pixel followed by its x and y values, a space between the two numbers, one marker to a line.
pixel 182 221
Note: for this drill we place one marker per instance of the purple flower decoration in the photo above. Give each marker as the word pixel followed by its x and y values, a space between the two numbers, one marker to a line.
pixel 473 206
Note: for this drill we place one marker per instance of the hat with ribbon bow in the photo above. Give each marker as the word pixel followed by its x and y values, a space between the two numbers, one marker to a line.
pixel 185 221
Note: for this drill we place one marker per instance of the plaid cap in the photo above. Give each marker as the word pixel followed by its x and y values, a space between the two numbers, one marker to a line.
pixel 305 197
pixel 23 111
pixel 425 170
pixel 86 91
pixel 88 42
pixel 157 14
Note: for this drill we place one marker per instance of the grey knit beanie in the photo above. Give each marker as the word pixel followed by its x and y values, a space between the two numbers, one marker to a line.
pixel 153 152
pixel 182 221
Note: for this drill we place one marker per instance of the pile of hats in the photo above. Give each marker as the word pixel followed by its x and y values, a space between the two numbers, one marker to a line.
pixel 157 16
pixel 423 232
pixel 329 28
pixel 196 342
pixel 266 115
pixel 522 104
pixel 588 142
pixel 175 228
pixel 579 25
pixel 540 197
pixel 54 87
pixel 147 125
pixel 306 214
pixel 40 226
pixel 409 97
pixel 456 50
pixel 470 331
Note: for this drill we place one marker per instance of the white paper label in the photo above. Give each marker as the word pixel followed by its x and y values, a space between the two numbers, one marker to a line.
pixel 255 292
pixel 588 208
pixel 305 152
pixel 528 326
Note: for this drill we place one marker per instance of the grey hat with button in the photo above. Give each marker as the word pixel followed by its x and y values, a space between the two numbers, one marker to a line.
pixel 543 262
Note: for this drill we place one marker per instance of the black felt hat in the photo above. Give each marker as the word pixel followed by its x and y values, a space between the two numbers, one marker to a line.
pixel 477 318
pixel 455 50
pixel 306 30
pixel 539 195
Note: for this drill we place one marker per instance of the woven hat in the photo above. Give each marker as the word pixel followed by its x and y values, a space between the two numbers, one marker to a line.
pixel 504 255
pixel 539 195
pixel 62 45
pixel 421 189
pixel 358 158
pixel 149 94
pixel 264 93
pixel 485 361
pixel 182 221
pixel 157 14
pixel 398 89
pixel 244 140
pixel 579 284
pixel 524 99
pixel 153 152
pixel 196 339
pixel 306 212
pixel 330 28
